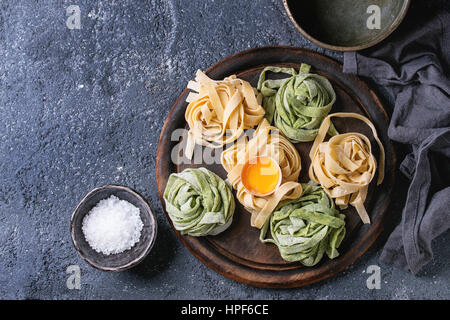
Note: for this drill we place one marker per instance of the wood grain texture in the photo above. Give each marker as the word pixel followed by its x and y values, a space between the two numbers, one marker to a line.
pixel 237 253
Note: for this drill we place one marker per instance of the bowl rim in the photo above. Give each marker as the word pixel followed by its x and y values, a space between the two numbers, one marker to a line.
pixel 136 260
pixel 392 28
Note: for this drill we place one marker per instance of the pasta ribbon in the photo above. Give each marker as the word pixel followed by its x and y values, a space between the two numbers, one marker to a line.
pixel 199 202
pixel 345 165
pixel 266 141
pixel 220 111
pixel 297 104
pixel 307 227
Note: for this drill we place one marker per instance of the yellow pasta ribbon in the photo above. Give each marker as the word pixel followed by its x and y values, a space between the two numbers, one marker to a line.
pixel 220 111
pixel 345 165
pixel 266 141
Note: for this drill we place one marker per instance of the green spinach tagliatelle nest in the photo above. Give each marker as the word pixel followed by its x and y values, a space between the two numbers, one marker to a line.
pixel 306 228
pixel 199 202
pixel 297 104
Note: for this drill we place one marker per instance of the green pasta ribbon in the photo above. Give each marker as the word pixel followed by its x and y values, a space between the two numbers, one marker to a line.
pixel 199 202
pixel 307 227
pixel 297 104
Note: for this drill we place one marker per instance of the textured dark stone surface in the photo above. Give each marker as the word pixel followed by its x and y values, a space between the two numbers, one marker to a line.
pixel 84 108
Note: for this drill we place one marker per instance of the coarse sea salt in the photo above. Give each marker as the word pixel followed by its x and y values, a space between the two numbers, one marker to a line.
pixel 112 226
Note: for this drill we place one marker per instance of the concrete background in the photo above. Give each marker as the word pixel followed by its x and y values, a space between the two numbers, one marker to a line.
pixel 84 108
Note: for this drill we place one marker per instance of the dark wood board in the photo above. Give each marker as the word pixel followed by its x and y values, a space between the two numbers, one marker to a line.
pixel 237 253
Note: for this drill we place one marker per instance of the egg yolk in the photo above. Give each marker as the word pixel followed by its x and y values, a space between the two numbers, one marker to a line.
pixel 260 176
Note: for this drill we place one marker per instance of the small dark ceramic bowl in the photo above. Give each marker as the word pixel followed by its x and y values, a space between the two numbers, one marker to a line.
pixel 128 258
pixel 341 25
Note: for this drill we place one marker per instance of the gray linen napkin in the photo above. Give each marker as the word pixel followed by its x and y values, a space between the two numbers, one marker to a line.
pixel 413 64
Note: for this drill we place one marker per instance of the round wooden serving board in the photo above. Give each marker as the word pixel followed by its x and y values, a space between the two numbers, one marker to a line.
pixel 237 253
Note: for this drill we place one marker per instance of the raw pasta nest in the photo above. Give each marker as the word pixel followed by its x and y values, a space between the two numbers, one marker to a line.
pixel 298 104
pixel 345 165
pixel 266 141
pixel 306 228
pixel 199 202
pixel 220 111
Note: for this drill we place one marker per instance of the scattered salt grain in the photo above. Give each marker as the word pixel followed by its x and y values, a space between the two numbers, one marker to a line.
pixel 112 226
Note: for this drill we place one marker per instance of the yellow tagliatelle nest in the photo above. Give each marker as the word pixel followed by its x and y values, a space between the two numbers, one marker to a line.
pixel 266 141
pixel 220 111
pixel 345 165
